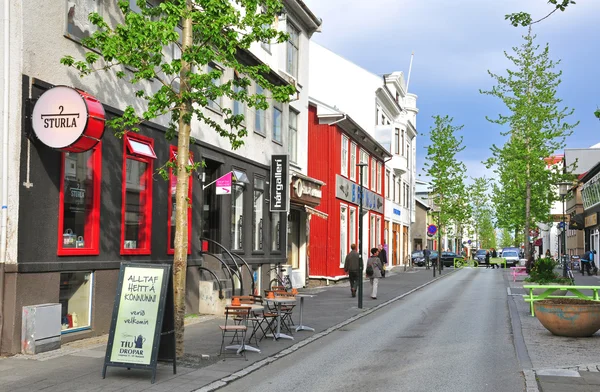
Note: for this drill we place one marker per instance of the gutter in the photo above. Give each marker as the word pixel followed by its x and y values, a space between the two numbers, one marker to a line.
pixel 4 185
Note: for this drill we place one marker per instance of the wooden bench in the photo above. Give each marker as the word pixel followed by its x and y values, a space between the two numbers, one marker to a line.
pixel 498 260
pixel 550 289
pixel 518 271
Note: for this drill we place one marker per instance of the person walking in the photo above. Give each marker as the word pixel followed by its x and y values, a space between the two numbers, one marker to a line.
pixel 586 263
pixel 375 265
pixel 426 254
pixel 494 255
pixel 383 258
pixel 352 267
pixel 487 259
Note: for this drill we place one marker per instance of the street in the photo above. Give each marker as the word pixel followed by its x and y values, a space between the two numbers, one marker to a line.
pixel 453 335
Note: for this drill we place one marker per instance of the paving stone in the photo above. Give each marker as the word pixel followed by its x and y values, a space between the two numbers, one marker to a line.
pixel 561 380
pixel 591 378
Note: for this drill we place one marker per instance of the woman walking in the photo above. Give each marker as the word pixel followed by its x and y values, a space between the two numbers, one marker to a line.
pixel 375 266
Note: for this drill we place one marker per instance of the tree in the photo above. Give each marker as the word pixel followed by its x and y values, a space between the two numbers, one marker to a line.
pixel 479 202
pixel 205 32
pixel 446 171
pixel 524 19
pixel 507 239
pixel 487 230
pixel 536 129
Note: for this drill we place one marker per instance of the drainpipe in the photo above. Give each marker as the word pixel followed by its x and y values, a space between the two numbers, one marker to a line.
pixel 4 186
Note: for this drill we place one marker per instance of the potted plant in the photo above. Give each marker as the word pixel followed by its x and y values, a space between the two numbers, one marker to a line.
pixel 544 272
pixel 571 317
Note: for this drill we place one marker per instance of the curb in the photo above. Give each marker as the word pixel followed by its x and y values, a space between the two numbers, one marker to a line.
pixel 264 362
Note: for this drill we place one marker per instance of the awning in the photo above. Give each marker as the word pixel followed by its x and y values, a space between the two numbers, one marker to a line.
pixel 315 212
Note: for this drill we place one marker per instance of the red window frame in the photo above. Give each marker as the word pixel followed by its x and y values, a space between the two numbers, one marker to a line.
pixel 173 156
pixel 145 195
pixel 92 224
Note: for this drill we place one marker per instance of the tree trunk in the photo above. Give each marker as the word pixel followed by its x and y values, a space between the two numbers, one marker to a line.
pixel 181 194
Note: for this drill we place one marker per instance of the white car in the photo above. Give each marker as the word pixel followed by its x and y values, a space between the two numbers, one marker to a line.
pixel 511 257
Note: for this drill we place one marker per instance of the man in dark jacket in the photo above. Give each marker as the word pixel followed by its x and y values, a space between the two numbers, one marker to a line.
pixel 383 258
pixel 352 267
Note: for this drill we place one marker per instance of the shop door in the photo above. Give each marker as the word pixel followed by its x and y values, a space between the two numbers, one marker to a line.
pixel 405 244
pixel 211 216
pixel 395 236
pixel 294 239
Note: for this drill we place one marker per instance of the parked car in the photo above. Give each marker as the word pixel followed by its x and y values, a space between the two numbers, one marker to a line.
pixel 448 258
pixel 480 256
pixel 418 258
pixel 511 257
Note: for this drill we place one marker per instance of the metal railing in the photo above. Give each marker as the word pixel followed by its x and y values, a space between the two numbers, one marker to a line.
pixel 235 271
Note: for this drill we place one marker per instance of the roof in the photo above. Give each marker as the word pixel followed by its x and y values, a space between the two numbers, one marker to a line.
pixel 418 200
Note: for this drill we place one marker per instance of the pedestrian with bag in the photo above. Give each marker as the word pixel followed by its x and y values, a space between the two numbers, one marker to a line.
pixel 373 271
pixel 352 267
pixel 426 254
pixel 586 263
pixel 383 258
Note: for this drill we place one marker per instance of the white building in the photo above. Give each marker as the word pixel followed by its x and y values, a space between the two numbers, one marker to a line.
pixel 382 107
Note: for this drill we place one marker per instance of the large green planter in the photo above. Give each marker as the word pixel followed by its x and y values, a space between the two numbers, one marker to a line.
pixel 570 317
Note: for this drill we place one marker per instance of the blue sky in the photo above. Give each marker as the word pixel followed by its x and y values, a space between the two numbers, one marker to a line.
pixel 455 43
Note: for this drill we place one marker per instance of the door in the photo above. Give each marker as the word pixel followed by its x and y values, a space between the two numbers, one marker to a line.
pixel 395 238
pixel 405 244
pixel 211 217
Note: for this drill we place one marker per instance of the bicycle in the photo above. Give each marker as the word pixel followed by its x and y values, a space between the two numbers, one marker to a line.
pixel 280 280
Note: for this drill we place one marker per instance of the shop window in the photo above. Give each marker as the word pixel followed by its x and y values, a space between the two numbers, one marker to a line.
pixel 136 210
pixel 75 296
pixel 172 205
pixel 237 215
pixel 257 214
pixel 275 231
pixel 79 203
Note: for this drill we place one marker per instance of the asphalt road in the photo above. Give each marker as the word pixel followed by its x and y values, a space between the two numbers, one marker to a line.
pixel 453 335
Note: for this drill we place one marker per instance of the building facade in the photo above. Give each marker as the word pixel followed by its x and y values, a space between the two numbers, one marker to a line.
pixel 336 144
pixel 73 216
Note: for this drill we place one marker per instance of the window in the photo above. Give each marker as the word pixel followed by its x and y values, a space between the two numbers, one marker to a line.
pixel 402 142
pixel 266 45
pixel 136 210
pixel 352 225
pixel 293 46
pixel 79 203
pixel 78 24
pixel 364 158
pixel 397 194
pixel 277 122
pixel 237 215
pixel 276 231
pixel 172 204
pixel 397 141
pixel 373 175
pixel 394 187
pixel 372 232
pixel 257 214
pixel 238 105
pixel 75 296
pixel 387 184
pixel 377 230
pixel 353 161
pixel 343 234
pixel 378 177
pixel 259 119
pixel 293 136
pixel 215 102
pixel 344 161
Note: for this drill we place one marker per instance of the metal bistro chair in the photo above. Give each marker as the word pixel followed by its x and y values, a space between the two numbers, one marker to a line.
pixel 286 311
pixel 235 330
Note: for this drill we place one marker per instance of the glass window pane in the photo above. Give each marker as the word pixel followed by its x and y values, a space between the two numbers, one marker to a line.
pixel 216 103
pixel 277 122
pixel 237 216
pixel 344 163
pixel 293 137
pixel 259 119
pixel 135 205
pixel 75 298
pixel 257 214
pixel 352 224
pixel 352 161
pixel 78 200
pixel 275 231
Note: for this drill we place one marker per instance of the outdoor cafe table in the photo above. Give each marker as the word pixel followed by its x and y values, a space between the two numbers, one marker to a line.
pixel 302 327
pixel 241 347
pixel 278 301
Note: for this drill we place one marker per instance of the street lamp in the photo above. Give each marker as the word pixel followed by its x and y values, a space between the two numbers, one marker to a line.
pixel 360 236
pixel 563 190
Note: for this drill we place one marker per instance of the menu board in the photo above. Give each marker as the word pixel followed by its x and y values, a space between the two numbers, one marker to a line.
pixel 143 293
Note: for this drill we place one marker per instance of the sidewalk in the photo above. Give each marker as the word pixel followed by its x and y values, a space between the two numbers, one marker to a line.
pixel 78 366
pixel 559 364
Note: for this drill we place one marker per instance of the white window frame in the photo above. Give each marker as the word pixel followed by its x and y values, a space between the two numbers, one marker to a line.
pixel 352 239
pixel 379 169
pixel 293 135
pixel 378 229
pixel 373 167
pixel 353 161
pixel 344 156
pixel 373 240
pixel 364 158
pixel 343 233
pixel 292 67
pixel 388 175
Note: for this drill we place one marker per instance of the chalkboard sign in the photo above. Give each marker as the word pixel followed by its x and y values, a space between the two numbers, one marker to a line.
pixel 143 324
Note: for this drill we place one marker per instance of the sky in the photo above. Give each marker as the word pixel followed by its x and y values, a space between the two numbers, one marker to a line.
pixel 455 43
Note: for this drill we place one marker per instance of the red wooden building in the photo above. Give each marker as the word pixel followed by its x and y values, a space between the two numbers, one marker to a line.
pixel 336 144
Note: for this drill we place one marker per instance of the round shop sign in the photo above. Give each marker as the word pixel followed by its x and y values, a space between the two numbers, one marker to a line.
pixel 68 119
pixel 431 230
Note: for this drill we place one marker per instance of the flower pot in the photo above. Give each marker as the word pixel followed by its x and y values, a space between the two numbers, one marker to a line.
pixel 570 317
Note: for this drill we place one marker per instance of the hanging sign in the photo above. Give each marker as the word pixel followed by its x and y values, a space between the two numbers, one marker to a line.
pixel 224 184
pixel 279 187
pixel 143 314
pixel 68 119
